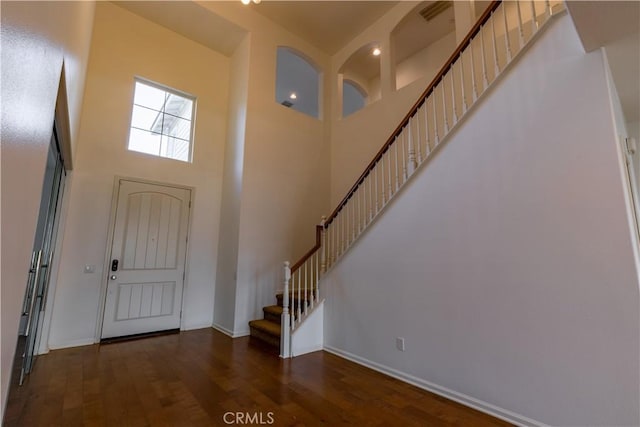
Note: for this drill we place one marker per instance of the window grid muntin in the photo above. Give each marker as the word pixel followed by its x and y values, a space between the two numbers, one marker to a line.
pixel 165 139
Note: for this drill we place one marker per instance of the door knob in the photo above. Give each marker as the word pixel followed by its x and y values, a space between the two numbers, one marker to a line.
pixel 113 277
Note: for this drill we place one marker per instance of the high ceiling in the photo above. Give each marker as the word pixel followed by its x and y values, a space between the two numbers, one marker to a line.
pixel 328 25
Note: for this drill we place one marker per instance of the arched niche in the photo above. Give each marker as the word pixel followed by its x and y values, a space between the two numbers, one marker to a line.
pixel 354 97
pixel 361 72
pixel 297 82
pixel 422 41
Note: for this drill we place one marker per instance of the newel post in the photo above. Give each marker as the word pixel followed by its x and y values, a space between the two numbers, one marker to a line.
pixel 323 246
pixel 285 335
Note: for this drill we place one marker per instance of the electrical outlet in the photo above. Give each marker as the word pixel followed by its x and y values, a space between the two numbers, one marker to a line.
pixel 400 343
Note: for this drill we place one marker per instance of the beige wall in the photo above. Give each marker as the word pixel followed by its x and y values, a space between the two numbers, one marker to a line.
pixel 37 37
pixel 125 45
pixel 285 179
pixel 225 293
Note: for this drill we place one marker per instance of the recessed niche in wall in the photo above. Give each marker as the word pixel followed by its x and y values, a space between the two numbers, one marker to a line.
pixel 297 82
pixel 353 97
pixel 361 74
pixel 422 41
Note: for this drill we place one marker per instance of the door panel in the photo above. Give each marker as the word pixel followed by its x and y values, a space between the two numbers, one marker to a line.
pixel 42 257
pixel 144 291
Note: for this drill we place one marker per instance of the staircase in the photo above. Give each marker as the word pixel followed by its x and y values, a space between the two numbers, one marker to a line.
pixel 499 37
pixel 269 328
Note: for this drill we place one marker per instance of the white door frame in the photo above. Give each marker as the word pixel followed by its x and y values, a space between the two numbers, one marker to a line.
pixel 107 256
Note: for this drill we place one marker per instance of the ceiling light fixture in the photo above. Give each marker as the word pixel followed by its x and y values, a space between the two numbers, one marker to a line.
pixel 293 95
pixel 376 51
pixel 245 2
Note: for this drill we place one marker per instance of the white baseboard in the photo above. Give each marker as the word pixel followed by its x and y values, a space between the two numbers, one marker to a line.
pixel 304 350
pixel 196 326
pixel 229 332
pixel 74 343
pixel 485 407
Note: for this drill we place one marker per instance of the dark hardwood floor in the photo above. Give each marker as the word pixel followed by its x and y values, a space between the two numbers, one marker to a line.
pixel 204 378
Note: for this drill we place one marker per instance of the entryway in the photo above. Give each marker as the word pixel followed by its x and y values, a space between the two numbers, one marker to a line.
pixel 146 271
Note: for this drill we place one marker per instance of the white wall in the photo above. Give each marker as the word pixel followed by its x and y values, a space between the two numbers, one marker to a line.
pixel 510 274
pixel 225 297
pixel 34 46
pixel 125 45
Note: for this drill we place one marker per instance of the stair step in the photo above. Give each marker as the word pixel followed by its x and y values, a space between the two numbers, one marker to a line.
pixel 273 313
pixel 266 331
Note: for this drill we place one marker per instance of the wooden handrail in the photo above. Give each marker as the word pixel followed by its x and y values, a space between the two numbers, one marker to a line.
pixel 456 54
pixel 311 251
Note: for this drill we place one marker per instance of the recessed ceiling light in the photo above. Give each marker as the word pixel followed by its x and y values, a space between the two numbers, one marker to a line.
pixel 293 95
pixel 245 2
pixel 376 51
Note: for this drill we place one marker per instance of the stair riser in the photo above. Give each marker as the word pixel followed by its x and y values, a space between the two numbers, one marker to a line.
pixel 273 317
pixel 267 338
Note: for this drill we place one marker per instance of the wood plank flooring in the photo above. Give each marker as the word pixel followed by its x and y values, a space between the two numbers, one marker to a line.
pixel 194 378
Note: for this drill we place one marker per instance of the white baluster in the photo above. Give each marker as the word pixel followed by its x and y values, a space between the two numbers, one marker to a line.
pixel 506 32
pixel 285 324
pixel 317 298
pixel 374 171
pixel 347 218
pixel 370 197
pixel 359 207
pixel 390 188
pixel 444 108
pixel 427 149
pixel 396 144
pixel 520 30
pixel 404 158
pixel 474 89
pixel 343 226
pixel 353 215
pixel 314 276
pixel 418 139
pixel 453 98
pixel 464 101
pixel 299 286
pixel 485 81
pixel 324 246
pixel 334 240
pixel 412 153
pixel 384 199
pixel 436 140
pixel 306 295
pixel 534 20
pixel 547 8
pixel 495 47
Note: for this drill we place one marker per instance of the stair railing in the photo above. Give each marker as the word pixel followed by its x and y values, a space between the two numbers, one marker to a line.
pixel 497 38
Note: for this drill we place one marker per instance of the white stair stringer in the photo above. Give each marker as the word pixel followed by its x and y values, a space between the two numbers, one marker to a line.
pixel 309 335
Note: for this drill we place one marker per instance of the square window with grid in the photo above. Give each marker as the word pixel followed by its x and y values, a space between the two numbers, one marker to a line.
pixel 161 122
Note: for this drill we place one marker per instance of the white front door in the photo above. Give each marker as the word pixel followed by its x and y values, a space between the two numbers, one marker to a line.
pixel 146 272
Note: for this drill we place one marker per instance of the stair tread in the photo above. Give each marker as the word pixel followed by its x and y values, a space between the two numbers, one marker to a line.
pixel 273 309
pixel 266 326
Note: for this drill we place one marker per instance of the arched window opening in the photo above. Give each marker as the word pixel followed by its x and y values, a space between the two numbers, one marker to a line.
pixel 297 82
pixel 422 41
pixel 353 97
pixel 361 75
